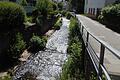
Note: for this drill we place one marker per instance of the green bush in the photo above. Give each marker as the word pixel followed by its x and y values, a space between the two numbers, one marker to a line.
pixel 52 6
pixel 68 15
pixel 18 46
pixel 54 12
pixel 60 5
pixel 42 7
pixel 73 28
pixel 110 15
pixel 72 41
pixel 23 3
pixel 11 15
pixel 63 13
pixel 58 24
pixel 37 43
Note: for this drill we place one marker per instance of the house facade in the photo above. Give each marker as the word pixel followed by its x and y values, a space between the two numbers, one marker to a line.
pixel 93 6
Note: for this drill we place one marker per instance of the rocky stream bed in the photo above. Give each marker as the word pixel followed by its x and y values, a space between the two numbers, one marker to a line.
pixel 47 65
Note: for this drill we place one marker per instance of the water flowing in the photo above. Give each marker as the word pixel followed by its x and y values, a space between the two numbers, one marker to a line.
pixel 47 65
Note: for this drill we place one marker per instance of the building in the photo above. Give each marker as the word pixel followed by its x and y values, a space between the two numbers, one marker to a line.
pixel 93 6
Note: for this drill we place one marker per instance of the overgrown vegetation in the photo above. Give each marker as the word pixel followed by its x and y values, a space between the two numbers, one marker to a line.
pixel 73 68
pixel 110 16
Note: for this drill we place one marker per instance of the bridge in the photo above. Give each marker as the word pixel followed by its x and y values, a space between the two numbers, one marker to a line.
pixel 102 47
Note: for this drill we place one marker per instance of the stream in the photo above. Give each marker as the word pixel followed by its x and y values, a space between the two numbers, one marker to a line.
pixel 47 65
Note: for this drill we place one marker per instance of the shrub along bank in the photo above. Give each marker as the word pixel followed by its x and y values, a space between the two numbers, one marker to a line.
pixel 37 43
pixel 73 68
pixel 110 15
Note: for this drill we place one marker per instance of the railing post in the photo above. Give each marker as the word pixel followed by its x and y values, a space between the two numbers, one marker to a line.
pixel 80 25
pixel 87 39
pixel 102 51
pixel 82 29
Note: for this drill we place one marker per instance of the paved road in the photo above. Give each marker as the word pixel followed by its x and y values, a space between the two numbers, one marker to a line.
pixel 112 38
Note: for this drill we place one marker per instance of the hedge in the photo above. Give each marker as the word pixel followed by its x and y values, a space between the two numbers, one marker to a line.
pixel 12 15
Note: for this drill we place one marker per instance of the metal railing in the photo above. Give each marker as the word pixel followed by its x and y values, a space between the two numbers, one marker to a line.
pixel 97 61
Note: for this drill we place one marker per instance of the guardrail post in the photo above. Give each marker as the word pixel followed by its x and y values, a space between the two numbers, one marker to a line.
pixel 102 51
pixel 87 39
pixel 80 25
pixel 82 29
pixel 86 59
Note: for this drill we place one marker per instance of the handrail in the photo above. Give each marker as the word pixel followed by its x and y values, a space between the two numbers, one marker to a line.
pixel 111 49
pixel 100 69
